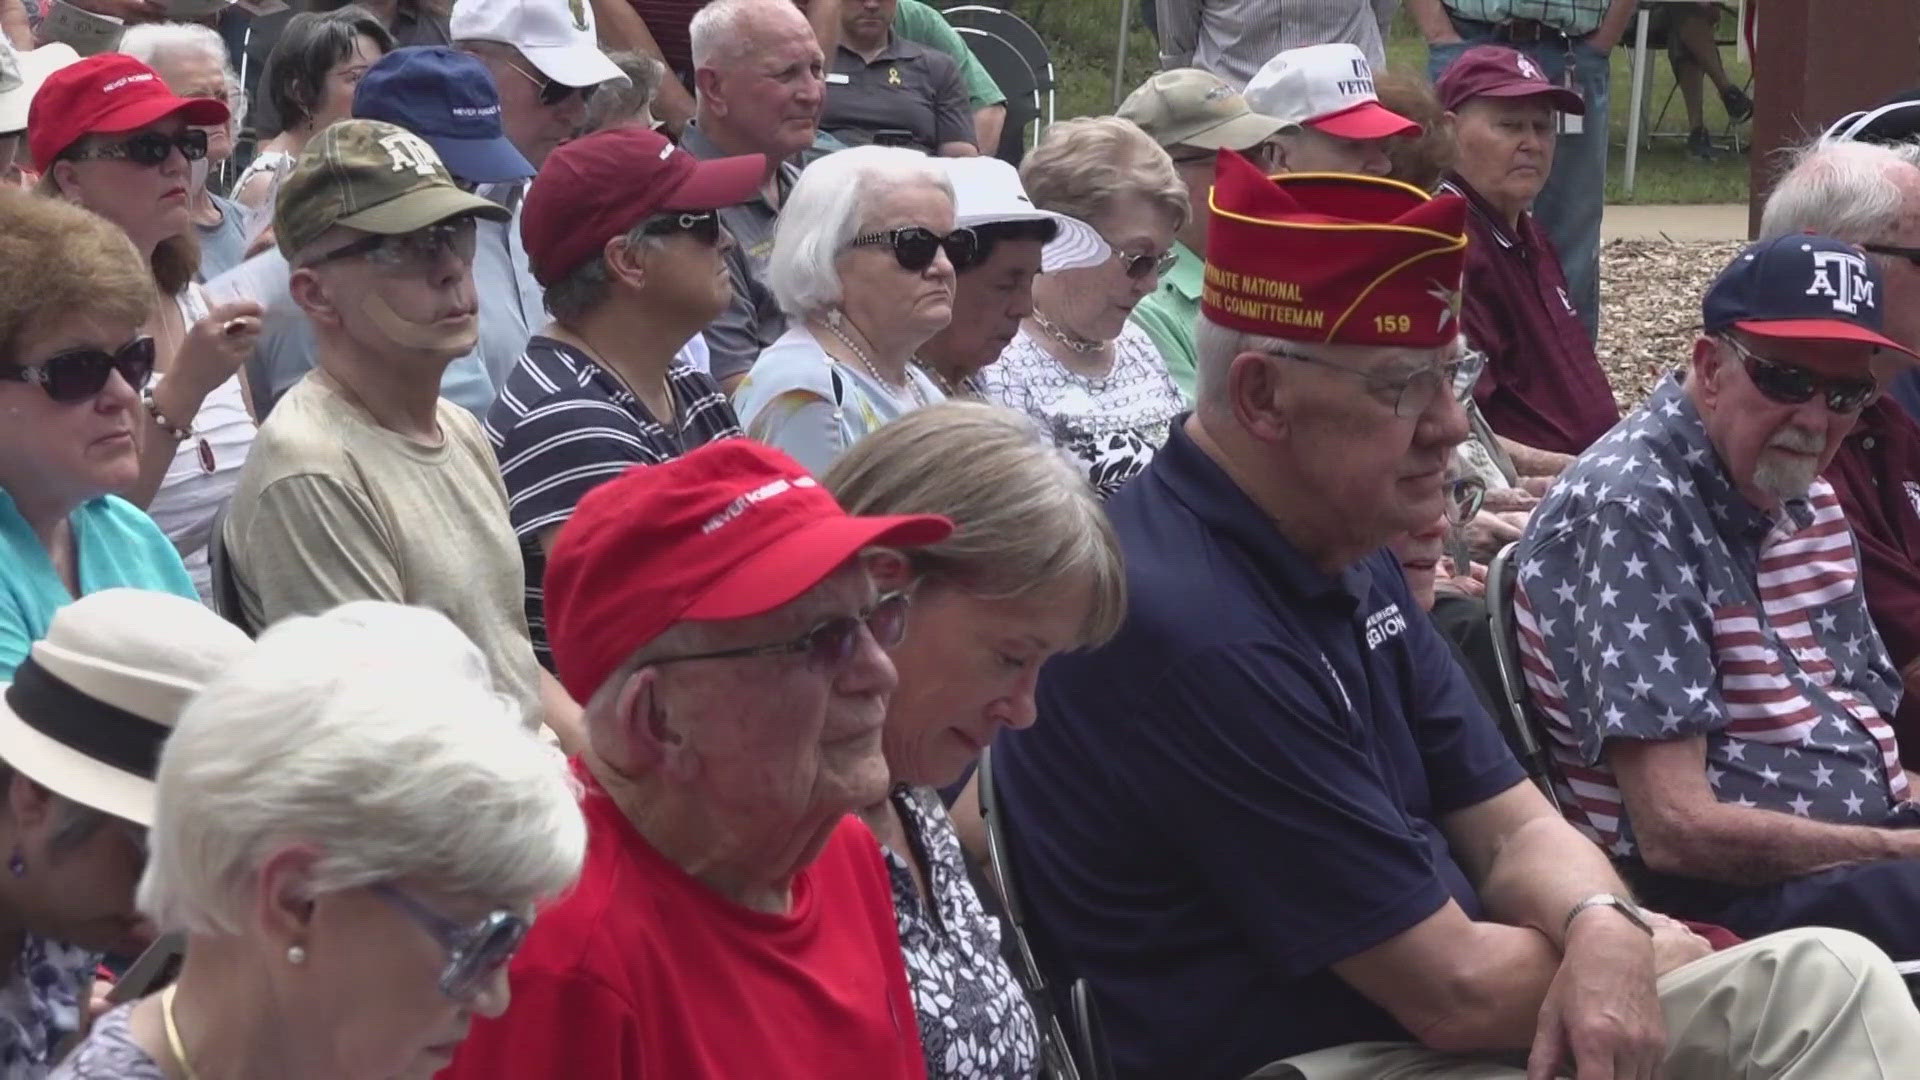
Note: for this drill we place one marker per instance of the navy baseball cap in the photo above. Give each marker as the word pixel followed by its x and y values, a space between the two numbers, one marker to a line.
pixel 446 97
pixel 1801 287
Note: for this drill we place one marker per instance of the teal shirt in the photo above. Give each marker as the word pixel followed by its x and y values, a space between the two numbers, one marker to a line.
pixel 115 545
pixel 1167 314
pixel 923 24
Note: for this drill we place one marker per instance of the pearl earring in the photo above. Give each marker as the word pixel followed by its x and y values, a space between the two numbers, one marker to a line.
pixel 296 955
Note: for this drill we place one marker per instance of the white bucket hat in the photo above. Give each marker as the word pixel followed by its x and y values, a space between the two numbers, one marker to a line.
pixel 89 708
pixel 987 189
pixel 555 36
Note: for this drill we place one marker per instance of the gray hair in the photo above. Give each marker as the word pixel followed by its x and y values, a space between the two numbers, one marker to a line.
pixel 374 734
pixel 587 286
pixel 1215 347
pixel 1848 190
pixel 822 215
pixel 719 29
pixel 1025 519
pixel 151 43
pixel 1080 166
pixel 614 104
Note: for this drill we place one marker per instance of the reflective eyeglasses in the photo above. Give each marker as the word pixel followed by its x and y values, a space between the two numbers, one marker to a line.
pixel 474 953
pixel 76 375
pixel 1790 384
pixel 149 148
pixel 831 642
pixel 1139 266
pixel 1411 395
pixel 914 247
pixel 703 225
pixel 553 93
pixel 418 251
pixel 1465 496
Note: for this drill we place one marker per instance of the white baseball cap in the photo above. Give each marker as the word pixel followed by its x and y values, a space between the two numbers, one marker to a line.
pixel 987 189
pixel 555 36
pixel 31 69
pixel 1328 88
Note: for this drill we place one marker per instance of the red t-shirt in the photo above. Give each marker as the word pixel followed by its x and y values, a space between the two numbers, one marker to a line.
pixel 1543 386
pixel 667 21
pixel 642 971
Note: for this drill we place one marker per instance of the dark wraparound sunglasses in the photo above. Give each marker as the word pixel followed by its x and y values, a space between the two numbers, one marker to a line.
pixel 1790 384
pixel 831 642
pixel 1139 266
pixel 148 148
pixel 553 93
pixel 702 225
pixel 78 374
pixel 474 953
pixel 914 246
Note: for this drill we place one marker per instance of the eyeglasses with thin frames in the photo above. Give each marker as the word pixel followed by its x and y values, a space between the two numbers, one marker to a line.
pixel 1412 395
pixel 830 643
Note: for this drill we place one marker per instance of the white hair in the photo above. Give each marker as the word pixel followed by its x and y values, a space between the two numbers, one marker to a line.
pixel 822 215
pixel 1852 191
pixel 720 27
pixel 149 43
pixel 374 734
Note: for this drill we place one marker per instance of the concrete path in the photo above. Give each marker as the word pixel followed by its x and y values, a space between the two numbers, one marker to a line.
pixel 1647 222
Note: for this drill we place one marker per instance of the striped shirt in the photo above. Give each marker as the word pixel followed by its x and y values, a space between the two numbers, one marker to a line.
pixel 1233 38
pixel 564 425
pixel 1655 603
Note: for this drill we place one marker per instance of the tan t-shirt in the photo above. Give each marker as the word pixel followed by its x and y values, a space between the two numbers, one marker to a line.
pixel 332 507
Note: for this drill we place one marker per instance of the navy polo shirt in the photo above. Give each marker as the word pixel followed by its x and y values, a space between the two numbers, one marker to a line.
pixel 1242 787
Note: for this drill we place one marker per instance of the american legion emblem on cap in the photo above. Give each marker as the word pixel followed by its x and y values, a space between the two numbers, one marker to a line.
pixel 1320 257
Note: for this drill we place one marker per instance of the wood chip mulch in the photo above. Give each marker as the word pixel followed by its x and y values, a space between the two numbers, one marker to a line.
pixel 1650 294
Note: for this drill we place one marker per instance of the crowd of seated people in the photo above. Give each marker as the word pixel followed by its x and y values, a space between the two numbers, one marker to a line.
pixel 524 582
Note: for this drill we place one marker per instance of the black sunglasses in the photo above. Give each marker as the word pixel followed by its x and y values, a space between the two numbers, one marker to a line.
pixel 474 953
pixel 702 225
pixel 148 148
pixel 1790 384
pixel 1910 254
pixel 419 250
pixel 78 374
pixel 831 642
pixel 553 93
pixel 1139 266
pixel 914 246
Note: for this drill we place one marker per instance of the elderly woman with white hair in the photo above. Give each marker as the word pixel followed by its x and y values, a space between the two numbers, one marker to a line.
pixel 351 830
pixel 1031 568
pixel 192 60
pixel 82 720
pixel 863 266
pixel 1093 379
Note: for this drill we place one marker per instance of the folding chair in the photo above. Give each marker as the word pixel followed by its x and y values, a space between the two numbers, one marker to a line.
pixel 1520 722
pixel 1095 1063
pixel 226 588
pixel 1015 78
pixel 1021 35
pixel 1056 1050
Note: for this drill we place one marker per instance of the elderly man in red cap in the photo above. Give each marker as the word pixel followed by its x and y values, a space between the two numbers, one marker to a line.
pixel 733 920
pixel 1269 821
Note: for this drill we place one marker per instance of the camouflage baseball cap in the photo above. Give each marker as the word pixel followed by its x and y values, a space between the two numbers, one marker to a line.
pixel 370 176
pixel 1190 107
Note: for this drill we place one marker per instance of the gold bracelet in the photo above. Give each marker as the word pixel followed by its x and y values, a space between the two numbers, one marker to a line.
pixel 167 428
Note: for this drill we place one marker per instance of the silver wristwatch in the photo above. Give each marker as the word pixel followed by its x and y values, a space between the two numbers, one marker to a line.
pixel 1618 903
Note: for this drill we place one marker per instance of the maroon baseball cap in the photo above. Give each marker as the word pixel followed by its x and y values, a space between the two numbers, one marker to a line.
pixel 596 188
pixel 1497 71
pixel 106 94
pixel 732 530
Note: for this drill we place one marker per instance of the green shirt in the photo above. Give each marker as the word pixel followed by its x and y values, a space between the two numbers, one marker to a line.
pixel 924 25
pixel 1574 18
pixel 1167 314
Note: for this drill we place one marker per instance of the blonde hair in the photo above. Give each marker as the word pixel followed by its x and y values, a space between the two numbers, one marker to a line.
pixel 1025 520
pixel 59 261
pixel 1080 166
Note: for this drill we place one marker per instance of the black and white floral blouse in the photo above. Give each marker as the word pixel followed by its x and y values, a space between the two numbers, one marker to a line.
pixel 40 1006
pixel 110 1053
pixel 975 1023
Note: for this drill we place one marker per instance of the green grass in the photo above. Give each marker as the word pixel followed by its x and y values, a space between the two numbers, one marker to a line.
pixel 1082 34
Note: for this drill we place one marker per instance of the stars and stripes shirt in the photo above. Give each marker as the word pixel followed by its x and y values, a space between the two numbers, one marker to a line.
pixel 563 425
pixel 1656 603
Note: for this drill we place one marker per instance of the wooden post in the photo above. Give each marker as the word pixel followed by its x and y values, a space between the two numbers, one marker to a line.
pixel 1814 62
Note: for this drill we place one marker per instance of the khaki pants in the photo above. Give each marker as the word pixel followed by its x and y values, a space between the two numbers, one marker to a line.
pixel 1811 1004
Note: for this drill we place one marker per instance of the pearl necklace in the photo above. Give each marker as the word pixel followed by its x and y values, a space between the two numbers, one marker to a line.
pixel 833 327
pixel 1067 338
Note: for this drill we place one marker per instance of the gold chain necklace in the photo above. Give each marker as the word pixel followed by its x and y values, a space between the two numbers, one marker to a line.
pixel 174 1044
pixel 1067 338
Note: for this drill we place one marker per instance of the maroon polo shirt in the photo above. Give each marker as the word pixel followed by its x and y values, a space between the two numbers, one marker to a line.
pixel 667 21
pixel 1543 386
pixel 1877 477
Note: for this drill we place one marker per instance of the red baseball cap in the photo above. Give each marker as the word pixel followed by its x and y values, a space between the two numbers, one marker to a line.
pixel 1497 71
pixel 732 530
pixel 596 188
pixel 106 94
